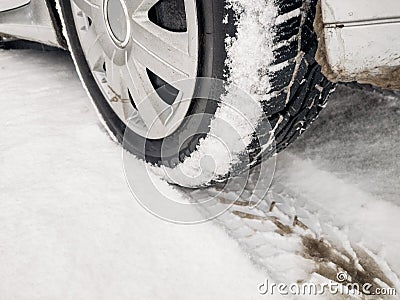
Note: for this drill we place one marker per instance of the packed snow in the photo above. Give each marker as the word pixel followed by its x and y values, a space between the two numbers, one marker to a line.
pixel 71 229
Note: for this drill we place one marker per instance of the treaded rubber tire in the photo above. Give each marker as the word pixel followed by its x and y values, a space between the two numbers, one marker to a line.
pixel 298 92
pixel 301 90
pixel 211 65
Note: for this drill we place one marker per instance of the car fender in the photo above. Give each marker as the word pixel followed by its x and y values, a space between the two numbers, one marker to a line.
pixel 360 41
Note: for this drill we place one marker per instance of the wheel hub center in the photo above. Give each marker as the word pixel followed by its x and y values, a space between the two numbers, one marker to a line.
pixel 117 21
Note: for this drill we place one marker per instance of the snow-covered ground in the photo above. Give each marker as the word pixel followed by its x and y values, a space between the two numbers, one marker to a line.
pixel 70 228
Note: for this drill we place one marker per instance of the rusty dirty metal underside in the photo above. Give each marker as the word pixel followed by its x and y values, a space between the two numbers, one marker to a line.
pixel 346 51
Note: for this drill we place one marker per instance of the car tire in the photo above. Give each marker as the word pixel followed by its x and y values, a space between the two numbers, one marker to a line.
pixel 296 94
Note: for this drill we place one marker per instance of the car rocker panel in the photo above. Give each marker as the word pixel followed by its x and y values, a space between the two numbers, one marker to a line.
pixel 29 20
pixel 362 41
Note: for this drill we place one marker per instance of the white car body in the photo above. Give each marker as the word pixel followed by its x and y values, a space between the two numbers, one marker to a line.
pixel 28 19
pixel 361 38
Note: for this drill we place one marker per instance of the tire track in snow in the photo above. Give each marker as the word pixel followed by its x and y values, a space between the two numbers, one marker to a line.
pixel 289 226
pixel 305 226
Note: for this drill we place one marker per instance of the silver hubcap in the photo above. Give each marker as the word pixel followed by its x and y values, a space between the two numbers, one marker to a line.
pixel 125 50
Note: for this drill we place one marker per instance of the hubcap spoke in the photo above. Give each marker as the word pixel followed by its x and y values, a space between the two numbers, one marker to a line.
pixel 163 52
pixel 89 7
pixel 95 57
pixel 153 111
pixel 122 68
pixel 141 7
pixel 114 86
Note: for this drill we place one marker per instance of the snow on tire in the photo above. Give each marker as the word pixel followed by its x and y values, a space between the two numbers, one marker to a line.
pixel 264 49
pixel 270 56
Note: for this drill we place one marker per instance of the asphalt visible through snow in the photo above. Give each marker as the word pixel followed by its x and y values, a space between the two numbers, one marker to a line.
pixel 69 227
